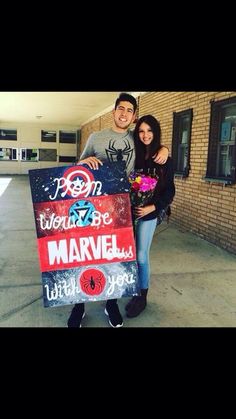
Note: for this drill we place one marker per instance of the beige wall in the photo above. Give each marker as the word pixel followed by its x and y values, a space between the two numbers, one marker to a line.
pixel 29 136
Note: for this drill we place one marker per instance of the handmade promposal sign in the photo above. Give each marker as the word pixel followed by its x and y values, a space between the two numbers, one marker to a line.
pixel 85 235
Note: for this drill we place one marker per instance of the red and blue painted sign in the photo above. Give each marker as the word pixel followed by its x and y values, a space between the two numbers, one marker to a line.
pixel 85 235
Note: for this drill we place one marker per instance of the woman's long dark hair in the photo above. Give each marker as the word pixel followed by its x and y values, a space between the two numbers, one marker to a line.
pixel 155 145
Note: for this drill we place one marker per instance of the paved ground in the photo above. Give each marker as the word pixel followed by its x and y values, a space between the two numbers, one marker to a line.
pixel 193 282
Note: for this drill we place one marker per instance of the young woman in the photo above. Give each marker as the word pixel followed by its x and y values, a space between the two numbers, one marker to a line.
pixel 147 136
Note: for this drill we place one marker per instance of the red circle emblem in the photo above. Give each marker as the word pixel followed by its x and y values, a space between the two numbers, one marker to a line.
pixel 92 281
pixel 76 180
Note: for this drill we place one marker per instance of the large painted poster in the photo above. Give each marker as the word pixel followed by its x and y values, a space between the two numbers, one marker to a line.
pixel 84 232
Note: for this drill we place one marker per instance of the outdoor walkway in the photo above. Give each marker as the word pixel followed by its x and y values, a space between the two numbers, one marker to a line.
pixel 193 282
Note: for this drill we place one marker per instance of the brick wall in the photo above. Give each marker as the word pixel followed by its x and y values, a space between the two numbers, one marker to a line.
pixel 207 209
pixel 87 129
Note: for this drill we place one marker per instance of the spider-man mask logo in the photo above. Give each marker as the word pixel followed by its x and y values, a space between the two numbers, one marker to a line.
pixel 119 154
pixel 92 282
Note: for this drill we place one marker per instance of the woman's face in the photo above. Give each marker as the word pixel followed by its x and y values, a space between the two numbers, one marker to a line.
pixel 145 133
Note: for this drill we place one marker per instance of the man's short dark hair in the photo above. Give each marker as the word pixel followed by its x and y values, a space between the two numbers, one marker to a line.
pixel 126 97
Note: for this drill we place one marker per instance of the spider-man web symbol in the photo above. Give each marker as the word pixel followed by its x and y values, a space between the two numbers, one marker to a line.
pixel 92 282
pixel 119 154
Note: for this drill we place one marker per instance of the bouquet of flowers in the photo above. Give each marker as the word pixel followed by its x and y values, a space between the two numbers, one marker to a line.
pixel 142 188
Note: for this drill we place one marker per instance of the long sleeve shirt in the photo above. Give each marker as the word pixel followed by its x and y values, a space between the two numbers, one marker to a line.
pixel 165 188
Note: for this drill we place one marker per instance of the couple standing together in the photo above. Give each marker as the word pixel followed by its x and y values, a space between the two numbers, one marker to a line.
pixel 141 149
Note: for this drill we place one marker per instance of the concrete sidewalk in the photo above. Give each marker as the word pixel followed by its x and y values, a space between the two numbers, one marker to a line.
pixel 193 282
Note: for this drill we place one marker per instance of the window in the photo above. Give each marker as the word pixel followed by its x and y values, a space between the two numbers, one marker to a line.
pixel 29 154
pixel 8 134
pixel 222 141
pixel 67 159
pixel 182 125
pixel 8 154
pixel 49 136
pixel 47 154
pixel 68 137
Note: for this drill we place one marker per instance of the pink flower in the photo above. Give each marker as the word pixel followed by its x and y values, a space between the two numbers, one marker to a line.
pixel 142 188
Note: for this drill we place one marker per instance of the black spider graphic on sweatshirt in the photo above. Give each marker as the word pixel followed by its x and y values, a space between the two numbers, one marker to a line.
pixel 119 154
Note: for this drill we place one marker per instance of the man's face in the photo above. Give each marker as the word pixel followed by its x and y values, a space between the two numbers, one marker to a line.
pixel 124 115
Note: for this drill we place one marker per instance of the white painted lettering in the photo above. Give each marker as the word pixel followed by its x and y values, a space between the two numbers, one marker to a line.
pixel 84 244
pixel 65 223
pixel 61 289
pixel 74 252
pixel 86 248
pixel 57 252
pixel 119 281
pixel 76 187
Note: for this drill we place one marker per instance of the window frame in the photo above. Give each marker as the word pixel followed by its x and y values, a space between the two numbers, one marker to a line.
pixel 8 134
pixel 67 159
pixel 46 152
pixel 24 154
pixel 48 136
pixel 216 144
pixel 64 137
pixel 8 154
pixel 176 143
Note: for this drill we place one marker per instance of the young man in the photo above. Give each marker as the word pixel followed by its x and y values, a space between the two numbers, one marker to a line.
pixel 111 145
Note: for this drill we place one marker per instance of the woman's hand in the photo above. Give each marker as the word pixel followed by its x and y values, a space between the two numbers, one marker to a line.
pixel 142 211
pixel 92 162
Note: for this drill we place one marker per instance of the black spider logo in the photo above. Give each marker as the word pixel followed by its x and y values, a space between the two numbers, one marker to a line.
pixel 119 154
pixel 92 285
